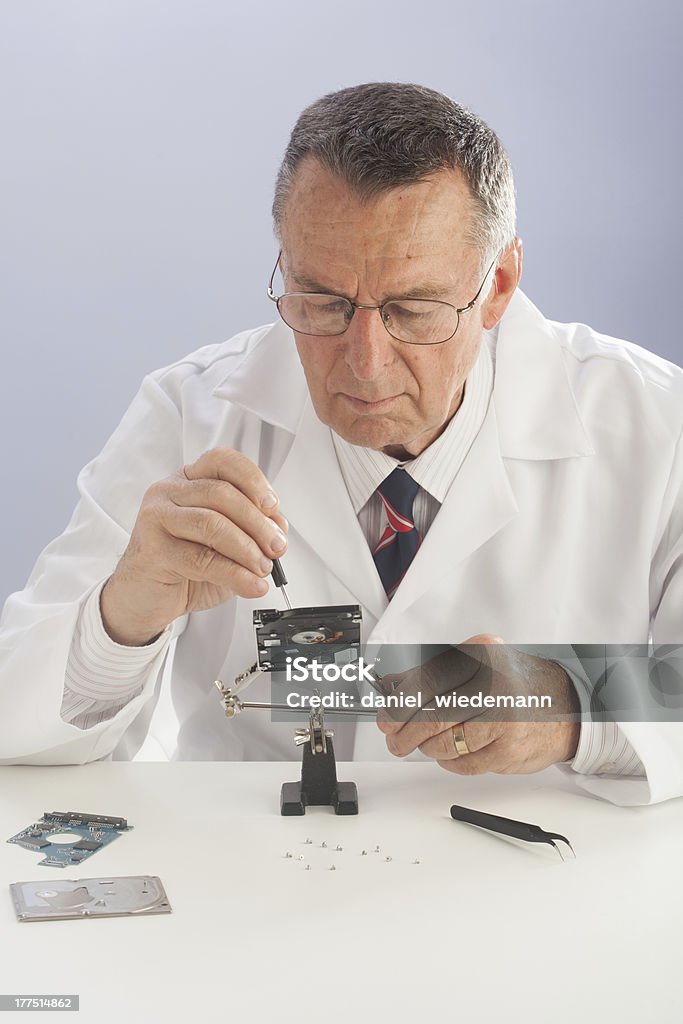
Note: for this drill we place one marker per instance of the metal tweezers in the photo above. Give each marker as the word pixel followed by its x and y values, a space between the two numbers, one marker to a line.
pixel 509 827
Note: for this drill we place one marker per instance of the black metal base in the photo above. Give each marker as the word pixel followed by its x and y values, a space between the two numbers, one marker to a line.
pixel 318 786
pixel 293 800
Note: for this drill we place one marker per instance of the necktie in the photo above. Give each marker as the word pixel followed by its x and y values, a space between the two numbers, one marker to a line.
pixel 399 542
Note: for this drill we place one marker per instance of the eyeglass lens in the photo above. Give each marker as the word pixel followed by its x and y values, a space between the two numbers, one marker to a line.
pixel 416 321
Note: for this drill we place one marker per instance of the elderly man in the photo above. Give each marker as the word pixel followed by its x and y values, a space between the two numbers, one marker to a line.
pixel 444 456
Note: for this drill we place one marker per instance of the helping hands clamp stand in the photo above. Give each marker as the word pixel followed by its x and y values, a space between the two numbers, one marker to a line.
pixel 319 785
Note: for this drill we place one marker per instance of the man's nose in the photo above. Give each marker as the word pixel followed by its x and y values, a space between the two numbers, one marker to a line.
pixel 368 346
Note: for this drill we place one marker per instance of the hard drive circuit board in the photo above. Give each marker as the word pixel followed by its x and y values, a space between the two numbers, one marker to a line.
pixel 66 838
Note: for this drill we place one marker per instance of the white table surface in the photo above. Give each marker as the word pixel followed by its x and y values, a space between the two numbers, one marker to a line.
pixel 482 929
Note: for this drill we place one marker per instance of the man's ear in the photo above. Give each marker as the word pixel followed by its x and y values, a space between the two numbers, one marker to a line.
pixel 505 281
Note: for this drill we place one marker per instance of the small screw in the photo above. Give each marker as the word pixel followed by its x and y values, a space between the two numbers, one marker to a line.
pixel 416 862
pixel 288 855
pixel 388 858
pixel 333 868
pixel 363 853
pixel 376 850
pixel 323 846
pixel 308 867
pixel 338 848
pixel 308 842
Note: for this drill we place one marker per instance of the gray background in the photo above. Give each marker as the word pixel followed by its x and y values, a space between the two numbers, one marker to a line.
pixel 140 140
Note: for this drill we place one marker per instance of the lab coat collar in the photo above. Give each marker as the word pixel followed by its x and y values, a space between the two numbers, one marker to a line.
pixel 537 413
pixel 269 381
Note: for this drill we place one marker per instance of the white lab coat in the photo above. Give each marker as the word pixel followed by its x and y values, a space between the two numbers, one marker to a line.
pixel 563 526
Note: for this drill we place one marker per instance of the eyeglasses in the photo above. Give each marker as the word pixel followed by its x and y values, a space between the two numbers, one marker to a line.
pixel 411 321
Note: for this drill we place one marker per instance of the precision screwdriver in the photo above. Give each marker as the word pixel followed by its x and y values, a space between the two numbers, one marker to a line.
pixel 280 580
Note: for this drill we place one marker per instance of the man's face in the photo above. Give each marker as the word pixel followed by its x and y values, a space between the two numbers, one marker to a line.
pixel 371 389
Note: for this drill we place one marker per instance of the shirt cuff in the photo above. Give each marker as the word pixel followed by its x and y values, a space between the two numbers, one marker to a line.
pixel 603 749
pixel 98 668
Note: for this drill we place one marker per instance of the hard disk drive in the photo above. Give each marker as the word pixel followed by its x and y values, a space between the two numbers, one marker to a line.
pixel 63 899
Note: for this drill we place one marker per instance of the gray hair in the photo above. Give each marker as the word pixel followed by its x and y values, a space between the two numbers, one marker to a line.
pixel 381 135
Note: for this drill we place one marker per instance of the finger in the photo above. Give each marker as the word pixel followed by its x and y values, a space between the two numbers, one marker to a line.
pixel 283 523
pixel 211 530
pixel 236 469
pixel 402 743
pixel 442 747
pixel 448 671
pixel 491 758
pixel 199 564
pixel 417 727
pixel 227 500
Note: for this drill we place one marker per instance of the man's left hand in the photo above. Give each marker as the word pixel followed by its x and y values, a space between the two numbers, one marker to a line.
pixel 526 741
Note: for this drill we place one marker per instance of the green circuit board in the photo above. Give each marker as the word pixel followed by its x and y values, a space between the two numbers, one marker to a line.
pixel 66 838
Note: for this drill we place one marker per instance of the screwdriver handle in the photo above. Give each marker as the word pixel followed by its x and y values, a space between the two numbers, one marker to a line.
pixel 278 574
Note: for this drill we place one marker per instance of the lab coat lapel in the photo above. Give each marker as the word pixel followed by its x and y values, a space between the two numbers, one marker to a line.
pixel 479 503
pixel 314 499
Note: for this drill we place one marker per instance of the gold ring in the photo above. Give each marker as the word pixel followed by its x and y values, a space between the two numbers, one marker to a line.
pixel 459 741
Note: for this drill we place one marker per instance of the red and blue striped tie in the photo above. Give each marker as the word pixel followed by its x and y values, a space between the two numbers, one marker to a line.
pixel 399 542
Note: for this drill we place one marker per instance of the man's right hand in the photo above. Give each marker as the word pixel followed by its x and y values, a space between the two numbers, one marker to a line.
pixel 202 536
